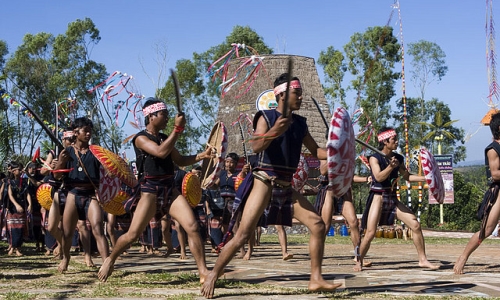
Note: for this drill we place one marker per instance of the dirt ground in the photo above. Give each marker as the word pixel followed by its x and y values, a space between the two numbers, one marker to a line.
pixel 394 274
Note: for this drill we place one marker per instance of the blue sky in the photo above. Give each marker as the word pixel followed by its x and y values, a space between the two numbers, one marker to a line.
pixel 130 29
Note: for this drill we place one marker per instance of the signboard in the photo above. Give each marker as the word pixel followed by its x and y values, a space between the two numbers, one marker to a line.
pixel 445 165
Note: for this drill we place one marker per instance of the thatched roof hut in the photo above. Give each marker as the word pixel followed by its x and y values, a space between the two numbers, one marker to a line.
pixel 235 102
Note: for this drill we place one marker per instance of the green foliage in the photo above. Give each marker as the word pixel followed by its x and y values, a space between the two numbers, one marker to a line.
pixel 461 215
pixel 191 88
pixel 199 94
pixel 369 58
pixel 46 69
pixel 334 67
pixel 436 121
pixel 4 50
pixel 428 64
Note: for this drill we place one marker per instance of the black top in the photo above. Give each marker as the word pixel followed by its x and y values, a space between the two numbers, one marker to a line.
pixel 149 165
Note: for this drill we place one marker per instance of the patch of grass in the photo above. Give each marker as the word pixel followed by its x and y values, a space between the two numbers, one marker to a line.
pixel 300 239
pixel 104 290
pixel 19 295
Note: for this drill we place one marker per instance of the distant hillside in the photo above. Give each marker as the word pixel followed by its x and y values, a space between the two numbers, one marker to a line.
pixel 469 168
pixel 470 163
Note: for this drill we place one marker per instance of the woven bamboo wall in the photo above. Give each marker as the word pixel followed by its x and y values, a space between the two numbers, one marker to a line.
pixel 236 102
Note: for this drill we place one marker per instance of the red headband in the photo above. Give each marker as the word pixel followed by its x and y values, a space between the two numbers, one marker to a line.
pixel 294 84
pixel 386 135
pixel 153 108
pixel 68 134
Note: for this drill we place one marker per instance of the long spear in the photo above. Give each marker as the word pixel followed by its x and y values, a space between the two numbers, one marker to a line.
pixel 49 132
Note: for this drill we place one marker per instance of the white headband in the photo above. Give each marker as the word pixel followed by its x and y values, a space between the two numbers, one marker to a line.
pixel 294 84
pixel 386 135
pixel 153 108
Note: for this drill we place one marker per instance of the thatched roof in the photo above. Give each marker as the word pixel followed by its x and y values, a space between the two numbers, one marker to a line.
pixel 235 102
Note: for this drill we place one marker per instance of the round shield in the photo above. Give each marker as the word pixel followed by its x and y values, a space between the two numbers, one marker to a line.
pixel 341 152
pixel 432 175
pixel 109 186
pixel 44 195
pixel 191 189
pixel 211 167
pixel 300 176
pixel 114 164
pixel 237 182
pixel 115 206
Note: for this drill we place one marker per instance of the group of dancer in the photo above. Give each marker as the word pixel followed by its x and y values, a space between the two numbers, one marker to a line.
pixel 279 135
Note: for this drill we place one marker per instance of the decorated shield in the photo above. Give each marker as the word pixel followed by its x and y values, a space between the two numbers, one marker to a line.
pixel 432 175
pixel 191 189
pixel 44 195
pixel 114 165
pixel 109 186
pixel 237 182
pixel 115 206
pixel 300 176
pixel 341 152
pixel 211 167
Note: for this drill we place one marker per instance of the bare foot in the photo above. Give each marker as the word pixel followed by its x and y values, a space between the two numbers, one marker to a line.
pixel 63 265
pixel 323 286
pixel 287 256
pixel 242 253
pixel 18 253
pixel 11 251
pixel 248 255
pixel 183 256
pixel 57 251
pixel 358 267
pixel 208 287
pixel 47 253
pixel 142 249
pixel 106 270
pixel 203 275
pixel 89 262
pixel 459 266
pixel 365 263
pixel 427 265
pixel 124 253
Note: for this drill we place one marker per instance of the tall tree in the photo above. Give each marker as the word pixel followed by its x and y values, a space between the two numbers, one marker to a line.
pixel 441 126
pixel 435 120
pixel 5 126
pixel 368 59
pixel 4 50
pixel 45 69
pixel 334 67
pixel 428 65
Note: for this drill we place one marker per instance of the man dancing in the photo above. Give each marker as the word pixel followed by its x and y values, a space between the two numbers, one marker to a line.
pixel 490 218
pixel 156 155
pixel 382 205
pixel 278 142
